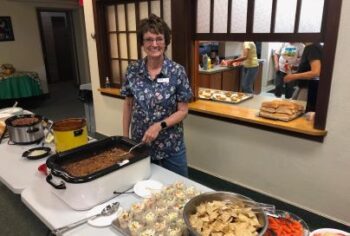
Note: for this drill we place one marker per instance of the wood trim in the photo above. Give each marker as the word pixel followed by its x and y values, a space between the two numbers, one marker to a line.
pixel 181 33
pixel 118 43
pixel 195 72
pixel 137 12
pixel 331 27
pixel 127 32
pixel 211 17
pixel 275 37
pixel 149 7
pixel 161 9
pixel 217 109
pixel 250 17
pixel 297 16
pixel 229 15
pixel 273 16
pixel 100 37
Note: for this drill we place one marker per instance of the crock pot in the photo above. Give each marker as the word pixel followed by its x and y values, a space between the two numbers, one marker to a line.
pixel 69 133
pixel 25 129
pixel 83 193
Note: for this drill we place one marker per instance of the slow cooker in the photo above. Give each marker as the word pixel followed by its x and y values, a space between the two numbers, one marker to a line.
pixel 85 192
pixel 69 133
pixel 25 129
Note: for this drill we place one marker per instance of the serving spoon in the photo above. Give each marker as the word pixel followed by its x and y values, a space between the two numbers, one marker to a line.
pixel 131 149
pixel 106 211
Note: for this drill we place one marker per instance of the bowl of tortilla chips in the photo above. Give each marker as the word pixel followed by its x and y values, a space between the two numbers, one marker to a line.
pixel 224 213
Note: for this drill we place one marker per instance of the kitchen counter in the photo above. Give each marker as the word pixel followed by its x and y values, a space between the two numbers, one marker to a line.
pixel 227 78
pixel 247 111
pixel 217 69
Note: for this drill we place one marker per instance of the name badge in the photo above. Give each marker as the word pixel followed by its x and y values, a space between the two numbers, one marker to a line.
pixel 163 80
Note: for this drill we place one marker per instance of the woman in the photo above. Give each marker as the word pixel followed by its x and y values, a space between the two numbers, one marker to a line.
pixel 250 66
pixel 308 75
pixel 157 92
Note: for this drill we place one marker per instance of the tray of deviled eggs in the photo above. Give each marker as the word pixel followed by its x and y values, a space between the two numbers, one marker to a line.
pixel 161 214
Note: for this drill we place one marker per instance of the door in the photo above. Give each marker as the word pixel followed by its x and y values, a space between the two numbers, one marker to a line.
pixel 58 46
pixel 63 46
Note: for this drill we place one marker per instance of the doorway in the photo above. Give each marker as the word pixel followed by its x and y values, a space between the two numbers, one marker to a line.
pixel 57 37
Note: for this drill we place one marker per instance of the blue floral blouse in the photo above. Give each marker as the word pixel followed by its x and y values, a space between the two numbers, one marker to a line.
pixel 155 100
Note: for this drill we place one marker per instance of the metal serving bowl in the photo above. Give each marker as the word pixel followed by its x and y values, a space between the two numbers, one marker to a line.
pixel 190 208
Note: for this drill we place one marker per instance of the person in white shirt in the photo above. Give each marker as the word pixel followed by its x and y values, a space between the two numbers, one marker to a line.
pixel 286 58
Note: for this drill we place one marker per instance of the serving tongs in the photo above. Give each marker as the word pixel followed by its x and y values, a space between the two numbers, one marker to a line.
pixel 254 206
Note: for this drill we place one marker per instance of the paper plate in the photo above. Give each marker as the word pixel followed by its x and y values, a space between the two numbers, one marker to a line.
pixel 321 232
pixel 145 188
pixel 102 221
pixel 10 111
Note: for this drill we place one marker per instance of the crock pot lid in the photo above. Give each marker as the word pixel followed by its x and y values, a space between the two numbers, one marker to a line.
pixel 69 124
pixel 9 121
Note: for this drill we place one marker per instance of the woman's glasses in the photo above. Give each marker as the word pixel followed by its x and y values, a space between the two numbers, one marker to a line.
pixel 158 40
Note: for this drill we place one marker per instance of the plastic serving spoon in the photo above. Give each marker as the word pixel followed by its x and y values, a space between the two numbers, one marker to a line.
pixel 107 211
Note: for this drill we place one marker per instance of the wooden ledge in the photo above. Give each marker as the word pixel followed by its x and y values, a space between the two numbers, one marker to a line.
pixel 299 125
pixel 243 114
pixel 111 92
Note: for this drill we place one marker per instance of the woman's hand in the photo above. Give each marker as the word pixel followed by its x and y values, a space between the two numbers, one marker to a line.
pixel 152 133
pixel 223 63
pixel 289 78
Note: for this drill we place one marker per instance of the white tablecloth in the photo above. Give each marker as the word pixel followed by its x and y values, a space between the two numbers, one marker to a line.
pixel 55 213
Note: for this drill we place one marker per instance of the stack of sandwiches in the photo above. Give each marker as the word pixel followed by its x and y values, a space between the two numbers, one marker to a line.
pixel 281 110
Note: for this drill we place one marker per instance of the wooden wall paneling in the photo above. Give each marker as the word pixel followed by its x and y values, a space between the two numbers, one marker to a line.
pixel 330 32
pixel 137 13
pixel 211 17
pixel 273 16
pixel 195 73
pixel 229 14
pixel 257 82
pixel 100 37
pixel 231 79
pixel 215 81
pixel 204 80
pixel 250 18
pixel 118 45
pixel 297 16
pixel 181 15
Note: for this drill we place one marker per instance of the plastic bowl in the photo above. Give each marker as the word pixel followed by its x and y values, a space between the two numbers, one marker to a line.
pixel 288 215
pixel 323 231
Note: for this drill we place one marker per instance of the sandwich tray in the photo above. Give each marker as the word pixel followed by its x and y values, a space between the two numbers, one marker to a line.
pixel 223 95
pixel 286 119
